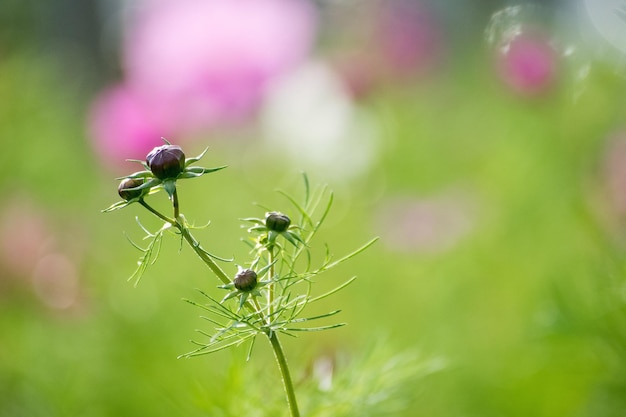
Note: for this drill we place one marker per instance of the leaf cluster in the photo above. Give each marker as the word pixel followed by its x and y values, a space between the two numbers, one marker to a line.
pixel 288 274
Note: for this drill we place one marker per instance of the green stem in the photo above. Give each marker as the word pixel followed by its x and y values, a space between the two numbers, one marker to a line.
pixel 158 214
pixel 219 272
pixel 175 204
pixel 258 306
pixel 284 372
pixel 270 291
pixel 195 245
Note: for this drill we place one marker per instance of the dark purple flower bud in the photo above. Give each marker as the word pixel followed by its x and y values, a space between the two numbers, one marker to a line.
pixel 277 222
pixel 245 280
pixel 124 189
pixel 166 161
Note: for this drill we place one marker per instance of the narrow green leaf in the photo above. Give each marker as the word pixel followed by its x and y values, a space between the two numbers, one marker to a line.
pixel 196 158
pixel 149 257
pixel 331 292
pixel 116 206
pixel 352 254
pixel 215 322
pixel 301 209
pixel 321 316
pixel 200 352
pixel 314 329
pixel 253 220
pixel 307 189
pixel 134 244
pixel 139 174
pixel 292 238
pixel 202 170
pixel 249 355
pixel 331 199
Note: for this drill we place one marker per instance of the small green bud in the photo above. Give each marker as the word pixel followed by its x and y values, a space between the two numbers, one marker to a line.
pixel 166 161
pixel 277 222
pixel 245 280
pixel 124 191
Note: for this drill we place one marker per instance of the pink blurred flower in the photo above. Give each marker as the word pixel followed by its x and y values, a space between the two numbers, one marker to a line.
pixel 25 236
pixel 30 248
pixel 192 65
pixel 409 37
pixel 56 282
pixel 615 172
pixel 429 225
pixel 209 62
pixel 528 64
pixel 385 42
pixel 122 127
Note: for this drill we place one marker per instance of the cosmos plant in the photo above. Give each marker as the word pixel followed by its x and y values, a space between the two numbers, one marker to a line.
pixel 267 296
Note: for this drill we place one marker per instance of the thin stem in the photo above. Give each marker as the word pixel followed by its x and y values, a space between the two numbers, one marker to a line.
pixel 158 214
pixel 284 372
pixel 270 291
pixel 175 203
pixel 258 306
pixel 195 245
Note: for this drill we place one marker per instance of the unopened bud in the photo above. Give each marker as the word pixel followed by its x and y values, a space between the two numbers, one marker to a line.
pixel 245 280
pixel 166 161
pixel 125 188
pixel 277 222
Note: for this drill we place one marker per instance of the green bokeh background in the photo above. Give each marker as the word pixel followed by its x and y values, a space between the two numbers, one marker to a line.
pixel 527 311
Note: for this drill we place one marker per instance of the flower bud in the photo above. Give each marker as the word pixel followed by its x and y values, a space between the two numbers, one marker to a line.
pixel 124 188
pixel 166 161
pixel 277 222
pixel 245 280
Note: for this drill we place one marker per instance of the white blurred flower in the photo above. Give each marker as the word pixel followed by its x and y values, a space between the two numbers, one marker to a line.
pixel 608 18
pixel 309 117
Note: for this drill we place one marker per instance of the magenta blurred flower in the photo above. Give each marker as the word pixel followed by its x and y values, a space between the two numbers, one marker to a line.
pixel 528 64
pixel 385 42
pixel 122 126
pixel 409 37
pixel 208 62
pixel 192 65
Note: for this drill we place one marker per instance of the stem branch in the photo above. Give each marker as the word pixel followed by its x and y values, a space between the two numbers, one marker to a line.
pixel 157 213
pixel 284 372
pixel 175 203
pixel 195 245
pixel 270 291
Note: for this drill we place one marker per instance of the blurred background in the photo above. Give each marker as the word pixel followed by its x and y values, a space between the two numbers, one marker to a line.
pixel 483 141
